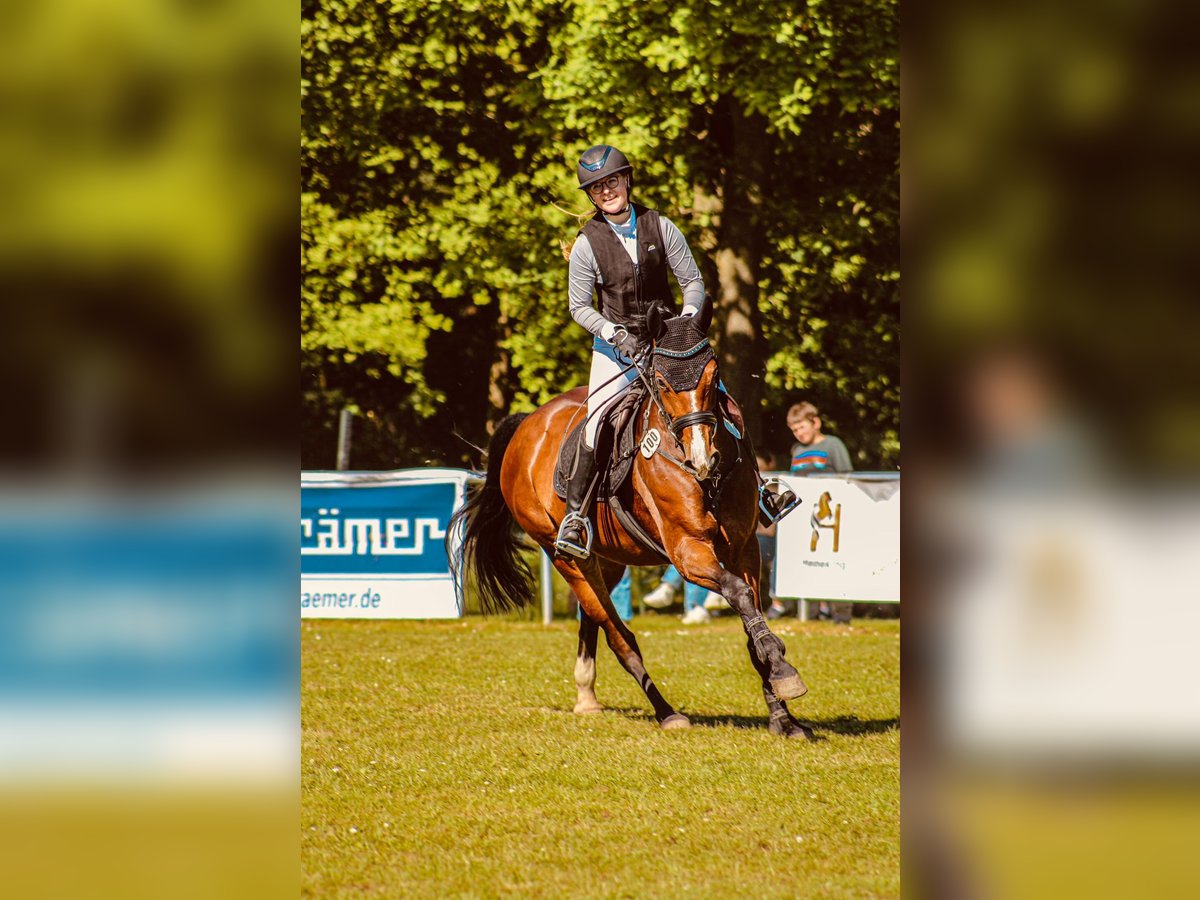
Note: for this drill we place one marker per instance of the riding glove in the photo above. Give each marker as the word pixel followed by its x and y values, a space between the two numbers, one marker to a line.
pixel 625 342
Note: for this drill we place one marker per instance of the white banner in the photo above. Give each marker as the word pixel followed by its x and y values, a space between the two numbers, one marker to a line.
pixel 372 544
pixel 843 541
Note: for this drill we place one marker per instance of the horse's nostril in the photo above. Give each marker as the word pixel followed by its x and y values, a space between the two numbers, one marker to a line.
pixel 714 461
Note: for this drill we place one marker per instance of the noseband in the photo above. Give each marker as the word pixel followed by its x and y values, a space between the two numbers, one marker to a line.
pixel 677 426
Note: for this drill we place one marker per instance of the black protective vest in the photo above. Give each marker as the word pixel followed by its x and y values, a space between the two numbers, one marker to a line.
pixel 626 293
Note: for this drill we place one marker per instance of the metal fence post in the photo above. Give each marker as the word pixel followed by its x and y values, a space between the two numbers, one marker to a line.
pixel 547 590
pixel 345 421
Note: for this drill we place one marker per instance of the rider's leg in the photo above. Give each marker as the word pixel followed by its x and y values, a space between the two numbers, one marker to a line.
pixel 606 383
pixel 774 499
pixel 575 531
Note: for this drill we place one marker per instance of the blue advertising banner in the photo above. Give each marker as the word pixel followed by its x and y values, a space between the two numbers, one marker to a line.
pixel 383 529
pixel 173 603
pixel 373 544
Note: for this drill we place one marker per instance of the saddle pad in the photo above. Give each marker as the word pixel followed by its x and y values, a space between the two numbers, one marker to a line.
pixel 615 467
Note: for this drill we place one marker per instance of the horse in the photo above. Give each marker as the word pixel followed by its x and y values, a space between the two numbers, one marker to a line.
pixel 692 493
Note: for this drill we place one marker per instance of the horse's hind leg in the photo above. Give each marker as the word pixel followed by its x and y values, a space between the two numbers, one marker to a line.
pixel 589 584
pixel 585 658
pixel 585 665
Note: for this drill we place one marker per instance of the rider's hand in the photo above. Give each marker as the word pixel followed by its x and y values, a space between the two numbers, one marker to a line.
pixel 625 342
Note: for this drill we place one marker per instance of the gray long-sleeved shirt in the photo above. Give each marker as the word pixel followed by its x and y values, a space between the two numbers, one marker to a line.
pixel 585 274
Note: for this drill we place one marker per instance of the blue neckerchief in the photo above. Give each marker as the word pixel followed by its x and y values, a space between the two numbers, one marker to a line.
pixel 632 227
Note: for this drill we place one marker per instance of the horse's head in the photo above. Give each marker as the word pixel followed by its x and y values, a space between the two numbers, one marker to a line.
pixel 685 377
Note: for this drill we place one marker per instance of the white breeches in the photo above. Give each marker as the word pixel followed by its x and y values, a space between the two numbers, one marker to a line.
pixel 605 384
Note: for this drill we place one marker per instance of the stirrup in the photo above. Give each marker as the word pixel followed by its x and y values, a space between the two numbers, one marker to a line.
pixel 782 501
pixel 570 548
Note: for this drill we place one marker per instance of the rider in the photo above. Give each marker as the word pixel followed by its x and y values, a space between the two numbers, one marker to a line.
pixel 623 254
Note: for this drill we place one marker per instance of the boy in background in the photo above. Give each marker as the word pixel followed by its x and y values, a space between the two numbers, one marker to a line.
pixel 815 452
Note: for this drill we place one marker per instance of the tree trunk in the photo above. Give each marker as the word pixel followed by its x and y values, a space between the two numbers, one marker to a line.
pixel 740 241
pixel 499 377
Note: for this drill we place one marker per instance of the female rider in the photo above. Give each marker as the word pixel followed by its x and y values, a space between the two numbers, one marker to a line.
pixel 623 254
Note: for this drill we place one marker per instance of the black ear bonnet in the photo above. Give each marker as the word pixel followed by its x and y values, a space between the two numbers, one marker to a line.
pixel 681 353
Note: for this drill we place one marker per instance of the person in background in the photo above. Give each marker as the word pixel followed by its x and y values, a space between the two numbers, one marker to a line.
pixel 766 551
pixel 815 452
pixel 622 597
pixel 697 601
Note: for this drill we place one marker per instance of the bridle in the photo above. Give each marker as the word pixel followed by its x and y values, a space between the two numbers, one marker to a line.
pixel 675 426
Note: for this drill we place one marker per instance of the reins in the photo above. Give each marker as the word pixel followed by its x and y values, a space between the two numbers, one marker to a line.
pixel 675 427
pixel 571 422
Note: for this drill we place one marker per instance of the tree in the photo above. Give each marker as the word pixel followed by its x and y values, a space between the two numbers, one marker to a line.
pixel 439 144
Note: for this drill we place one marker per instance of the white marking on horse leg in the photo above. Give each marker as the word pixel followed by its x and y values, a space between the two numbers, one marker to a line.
pixel 585 685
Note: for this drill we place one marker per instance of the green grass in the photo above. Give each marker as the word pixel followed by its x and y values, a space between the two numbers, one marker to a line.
pixel 442 759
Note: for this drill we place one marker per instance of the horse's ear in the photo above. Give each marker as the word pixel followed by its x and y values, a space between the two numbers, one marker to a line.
pixel 704 317
pixel 655 326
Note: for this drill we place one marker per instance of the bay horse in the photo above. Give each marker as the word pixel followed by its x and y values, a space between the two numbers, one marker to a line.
pixel 692 493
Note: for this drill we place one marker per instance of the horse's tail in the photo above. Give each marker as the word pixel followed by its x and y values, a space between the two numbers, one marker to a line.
pixel 490 545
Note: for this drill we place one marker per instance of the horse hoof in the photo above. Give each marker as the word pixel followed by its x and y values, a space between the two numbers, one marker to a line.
pixel 789 688
pixel 677 720
pixel 587 707
pixel 786 726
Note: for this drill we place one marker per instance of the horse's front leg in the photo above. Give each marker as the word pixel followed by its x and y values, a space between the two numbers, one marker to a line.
pixel 698 564
pixel 780 720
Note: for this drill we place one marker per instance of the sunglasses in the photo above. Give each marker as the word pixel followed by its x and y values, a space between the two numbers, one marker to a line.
pixel 611 183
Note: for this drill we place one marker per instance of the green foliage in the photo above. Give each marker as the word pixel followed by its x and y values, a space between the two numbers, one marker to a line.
pixel 438 149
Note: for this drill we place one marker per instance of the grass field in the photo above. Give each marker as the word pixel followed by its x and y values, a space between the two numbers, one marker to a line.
pixel 442 759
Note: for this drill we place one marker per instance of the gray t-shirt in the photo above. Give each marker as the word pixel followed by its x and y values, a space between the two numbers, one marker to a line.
pixel 829 455
pixel 585 274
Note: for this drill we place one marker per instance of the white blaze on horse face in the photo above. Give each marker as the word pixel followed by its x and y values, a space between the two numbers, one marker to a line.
pixel 697 449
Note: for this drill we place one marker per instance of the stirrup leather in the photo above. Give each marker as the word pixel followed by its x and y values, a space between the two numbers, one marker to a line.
pixel 570 548
pixel 775 500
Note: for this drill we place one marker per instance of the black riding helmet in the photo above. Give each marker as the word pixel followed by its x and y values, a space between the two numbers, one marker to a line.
pixel 598 162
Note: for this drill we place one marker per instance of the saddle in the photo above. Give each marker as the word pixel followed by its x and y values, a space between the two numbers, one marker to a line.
pixel 616 446
pixel 617 429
